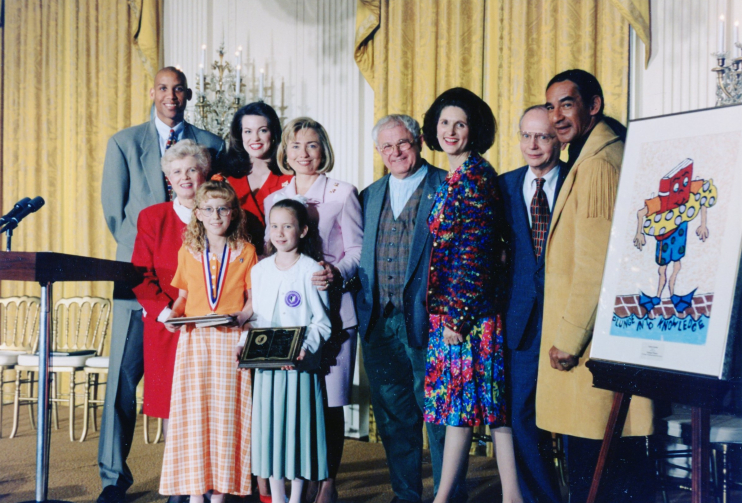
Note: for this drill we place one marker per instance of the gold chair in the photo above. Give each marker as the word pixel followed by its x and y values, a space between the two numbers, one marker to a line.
pixel 95 370
pixel 78 334
pixel 19 332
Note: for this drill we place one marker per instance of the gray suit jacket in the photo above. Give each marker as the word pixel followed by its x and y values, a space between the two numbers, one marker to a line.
pixel 132 178
pixel 416 279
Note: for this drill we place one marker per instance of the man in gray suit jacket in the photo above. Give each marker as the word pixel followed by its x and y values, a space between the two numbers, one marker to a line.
pixel 132 181
pixel 392 318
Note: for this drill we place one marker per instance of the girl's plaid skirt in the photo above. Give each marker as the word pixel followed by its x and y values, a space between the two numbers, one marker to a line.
pixel 208 439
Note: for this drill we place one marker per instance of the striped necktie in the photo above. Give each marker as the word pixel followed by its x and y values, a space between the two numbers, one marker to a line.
pixel 172 139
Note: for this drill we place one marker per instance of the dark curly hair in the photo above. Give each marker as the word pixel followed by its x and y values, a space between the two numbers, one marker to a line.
pixel 237 160
pixel 482 124
pixel 309 245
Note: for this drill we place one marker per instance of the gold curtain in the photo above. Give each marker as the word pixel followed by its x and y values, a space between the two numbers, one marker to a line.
pixel 505 51
pixel 74 73
pixel 636 13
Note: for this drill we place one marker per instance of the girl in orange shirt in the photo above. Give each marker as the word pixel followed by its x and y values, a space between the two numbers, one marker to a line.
pixel 208 446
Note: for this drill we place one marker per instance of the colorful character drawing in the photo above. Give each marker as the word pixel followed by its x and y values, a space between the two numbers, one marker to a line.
pixel 665 217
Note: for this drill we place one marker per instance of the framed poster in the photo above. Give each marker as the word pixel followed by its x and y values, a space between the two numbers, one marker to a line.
pixel 668 291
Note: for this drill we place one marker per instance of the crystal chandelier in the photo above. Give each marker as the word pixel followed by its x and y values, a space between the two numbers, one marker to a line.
pixel 219 94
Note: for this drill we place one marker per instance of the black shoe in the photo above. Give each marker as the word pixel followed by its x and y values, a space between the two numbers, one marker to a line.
pixel 112 494
pixel 178 499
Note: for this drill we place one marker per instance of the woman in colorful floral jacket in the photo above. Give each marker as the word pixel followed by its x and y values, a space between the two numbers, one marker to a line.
pixel 464 384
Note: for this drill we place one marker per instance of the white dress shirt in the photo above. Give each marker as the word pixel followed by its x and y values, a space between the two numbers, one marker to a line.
pixel 401 190
pixel 529 188
pixel 163 132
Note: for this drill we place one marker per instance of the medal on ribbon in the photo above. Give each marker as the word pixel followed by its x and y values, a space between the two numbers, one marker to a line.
pixel 214 289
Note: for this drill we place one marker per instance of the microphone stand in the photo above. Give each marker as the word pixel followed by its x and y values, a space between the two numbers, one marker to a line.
pixel 9 237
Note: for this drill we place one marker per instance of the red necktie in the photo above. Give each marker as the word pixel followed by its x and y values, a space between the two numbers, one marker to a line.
pixel 539 218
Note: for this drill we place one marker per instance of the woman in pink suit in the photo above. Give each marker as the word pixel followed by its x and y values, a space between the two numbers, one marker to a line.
pixel 159 237
pixel 306 153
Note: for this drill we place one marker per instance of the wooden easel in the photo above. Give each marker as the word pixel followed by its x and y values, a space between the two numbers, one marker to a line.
pixel 702 393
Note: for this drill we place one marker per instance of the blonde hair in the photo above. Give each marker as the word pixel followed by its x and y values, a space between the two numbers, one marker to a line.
pixel 183 149
pixel 194 237
pixel 289 135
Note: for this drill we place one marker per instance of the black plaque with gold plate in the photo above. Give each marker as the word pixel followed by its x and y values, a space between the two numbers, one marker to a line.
pixel 272 348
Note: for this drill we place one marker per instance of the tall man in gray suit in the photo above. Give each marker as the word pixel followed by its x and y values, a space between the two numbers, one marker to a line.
pixel 392 318
pixel 132 181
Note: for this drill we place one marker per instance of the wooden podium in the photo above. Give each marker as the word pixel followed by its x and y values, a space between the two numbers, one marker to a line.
pixel 46 268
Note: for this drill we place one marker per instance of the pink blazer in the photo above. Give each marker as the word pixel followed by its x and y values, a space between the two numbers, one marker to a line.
pixel 335 206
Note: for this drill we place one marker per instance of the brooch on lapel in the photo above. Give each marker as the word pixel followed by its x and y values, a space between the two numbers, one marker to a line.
pixel 284 183
pixel 430 196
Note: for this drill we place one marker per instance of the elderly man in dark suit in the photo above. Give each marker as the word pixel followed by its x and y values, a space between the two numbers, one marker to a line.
pixel 132 181
pixel 392 319
pixel 529 194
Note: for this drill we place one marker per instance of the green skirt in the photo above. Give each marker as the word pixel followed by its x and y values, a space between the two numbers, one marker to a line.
pixel 288 425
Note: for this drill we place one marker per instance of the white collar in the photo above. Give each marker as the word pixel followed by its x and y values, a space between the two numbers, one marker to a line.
pixel 164 130
pixel 550 178
pixel 183 213
pixel 410 181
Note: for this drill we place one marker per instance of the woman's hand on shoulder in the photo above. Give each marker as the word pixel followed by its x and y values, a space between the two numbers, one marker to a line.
pixel 328 276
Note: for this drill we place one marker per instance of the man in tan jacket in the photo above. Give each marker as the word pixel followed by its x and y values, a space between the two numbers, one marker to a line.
pixel 576 248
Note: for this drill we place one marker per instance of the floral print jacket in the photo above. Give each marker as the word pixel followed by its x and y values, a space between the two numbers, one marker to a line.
pixel 466 277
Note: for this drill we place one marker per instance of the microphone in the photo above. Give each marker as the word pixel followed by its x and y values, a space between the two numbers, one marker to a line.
pixel 32 206
pixel 14 211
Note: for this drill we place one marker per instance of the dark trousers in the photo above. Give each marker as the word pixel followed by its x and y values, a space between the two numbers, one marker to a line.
pixel 628 476
pixel 396 375
pixel 126 367
pixel 533 457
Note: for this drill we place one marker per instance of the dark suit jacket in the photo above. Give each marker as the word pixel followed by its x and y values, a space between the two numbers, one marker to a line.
pixel 416 279
pixel 526 276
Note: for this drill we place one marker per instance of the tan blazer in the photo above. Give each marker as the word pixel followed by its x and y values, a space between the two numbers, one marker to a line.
pixel 576 249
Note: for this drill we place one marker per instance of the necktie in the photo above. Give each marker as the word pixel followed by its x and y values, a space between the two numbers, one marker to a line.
pixel 539 218
pixel 172 139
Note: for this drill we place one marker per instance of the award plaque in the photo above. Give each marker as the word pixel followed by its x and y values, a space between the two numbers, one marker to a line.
pixel 272 348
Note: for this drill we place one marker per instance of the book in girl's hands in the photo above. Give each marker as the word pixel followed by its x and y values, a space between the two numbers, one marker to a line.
pixel 272 348
pixel 210 320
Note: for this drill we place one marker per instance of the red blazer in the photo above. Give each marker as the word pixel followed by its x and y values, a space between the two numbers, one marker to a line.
pixel 253 204
pixel 159 237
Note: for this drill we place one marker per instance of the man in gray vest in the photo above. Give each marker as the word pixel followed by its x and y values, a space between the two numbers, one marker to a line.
pixel 132 181
pixel 392 319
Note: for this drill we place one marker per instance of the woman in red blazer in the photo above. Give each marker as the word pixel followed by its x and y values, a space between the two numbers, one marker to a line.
pixel 250 164
pixel 159 237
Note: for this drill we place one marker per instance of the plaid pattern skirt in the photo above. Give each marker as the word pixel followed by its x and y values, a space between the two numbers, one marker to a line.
pixel 208 441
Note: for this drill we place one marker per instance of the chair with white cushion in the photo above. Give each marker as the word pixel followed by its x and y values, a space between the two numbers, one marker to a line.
pixel 96 369
pixel 19 318
pixel 78 333
pixel 725 434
